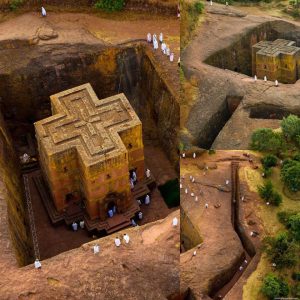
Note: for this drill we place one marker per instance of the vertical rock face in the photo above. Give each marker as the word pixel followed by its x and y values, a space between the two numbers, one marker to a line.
pixel 39 72
pixel 159 102
pixel 13 221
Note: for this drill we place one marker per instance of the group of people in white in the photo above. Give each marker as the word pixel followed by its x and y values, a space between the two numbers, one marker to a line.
pixel 266 79
pixel 192 180
pixel 75 225
pixel 164 47
pixel 117 241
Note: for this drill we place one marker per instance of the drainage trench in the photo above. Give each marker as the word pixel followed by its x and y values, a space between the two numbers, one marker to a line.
pixel 222 285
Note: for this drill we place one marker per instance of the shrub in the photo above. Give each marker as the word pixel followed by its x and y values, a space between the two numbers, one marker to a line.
pixel 265 191
pixel 268 194
pixel 296 290
pixel 15 4
pixel 290 127
pixel 281 250
pixel 290 174
pixel 211 151
pixel 294 226
pixel 283 217
pixel 276 199
pixel 296 157
pixel 265 140
pixel 198 6
pixel 274 287
pixel 269 161
pixel 267 172
pixel 110 5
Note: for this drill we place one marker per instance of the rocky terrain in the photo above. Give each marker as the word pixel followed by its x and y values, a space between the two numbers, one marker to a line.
pixel 210 265
pixel 42 56
pixel 146 268
pixel 227 105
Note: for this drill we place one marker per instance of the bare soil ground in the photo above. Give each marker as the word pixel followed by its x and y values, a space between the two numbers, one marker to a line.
pixel 220 241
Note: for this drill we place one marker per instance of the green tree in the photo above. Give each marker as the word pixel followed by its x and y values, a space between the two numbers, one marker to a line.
pixel 269 161
pixel 284 216
pixel 265 191
pixel 265 140
pixel 290 127
pixel 281 250
pixel 274 286
pixel 276 199
pixel 296 290
pixel 294 226
pixel 290 174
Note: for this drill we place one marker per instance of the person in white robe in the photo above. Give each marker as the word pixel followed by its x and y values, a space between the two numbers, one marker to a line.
pixel 147 199
pixel 140 215
pixel 81 224
pixel 172 57
pixel 37 264
pixel 96 249
pixel 175 222
pixel 148 173
pixel 74 226
pixel 117 242
pixel 134 177
pixel 44 13
pixel 149 37
pixel 126 238
pixel 161 37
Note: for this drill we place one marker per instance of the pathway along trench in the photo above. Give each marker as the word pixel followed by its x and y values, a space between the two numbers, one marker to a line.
pixel 219 288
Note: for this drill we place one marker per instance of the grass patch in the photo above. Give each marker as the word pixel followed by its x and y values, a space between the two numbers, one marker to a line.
pixel 271 224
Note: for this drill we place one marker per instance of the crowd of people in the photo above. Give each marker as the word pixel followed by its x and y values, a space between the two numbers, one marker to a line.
pixel 163 46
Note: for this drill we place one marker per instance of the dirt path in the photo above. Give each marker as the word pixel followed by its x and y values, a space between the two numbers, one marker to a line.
pixel 87 28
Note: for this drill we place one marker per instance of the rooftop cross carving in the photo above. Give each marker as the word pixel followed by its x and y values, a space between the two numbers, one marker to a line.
pixel 275 48
pixel 80 120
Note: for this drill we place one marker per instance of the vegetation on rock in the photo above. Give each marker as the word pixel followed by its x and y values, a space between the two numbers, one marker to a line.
pixel 274 287
pixel 15 4
pixel 110 5
pixel 267 192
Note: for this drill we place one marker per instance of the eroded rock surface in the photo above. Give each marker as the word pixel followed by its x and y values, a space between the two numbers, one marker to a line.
pixel 146 268
pixel 230 105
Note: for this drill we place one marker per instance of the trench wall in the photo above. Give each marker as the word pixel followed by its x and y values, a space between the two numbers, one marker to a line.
pixel 238 56
pixel 25 91
pixel 12 199
pixel 189 235
pixel 25 88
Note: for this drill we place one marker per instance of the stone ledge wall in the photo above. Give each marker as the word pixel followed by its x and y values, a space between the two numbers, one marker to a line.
pixel 158 6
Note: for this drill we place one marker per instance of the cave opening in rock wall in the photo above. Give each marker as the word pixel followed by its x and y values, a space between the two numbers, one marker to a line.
pixel 238 57
pixel 41 71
